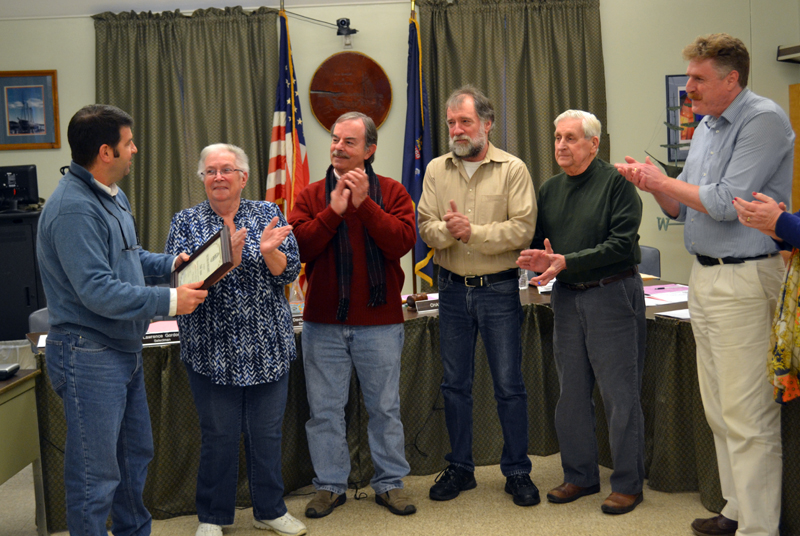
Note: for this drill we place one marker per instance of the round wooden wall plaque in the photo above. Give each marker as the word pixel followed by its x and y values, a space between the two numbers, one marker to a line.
pixel 350 82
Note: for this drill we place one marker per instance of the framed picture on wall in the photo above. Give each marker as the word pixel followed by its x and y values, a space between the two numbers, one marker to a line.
pixel 29 110
pixel 680 122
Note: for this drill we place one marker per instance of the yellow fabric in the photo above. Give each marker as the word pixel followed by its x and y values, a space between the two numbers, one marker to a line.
pixel 784 355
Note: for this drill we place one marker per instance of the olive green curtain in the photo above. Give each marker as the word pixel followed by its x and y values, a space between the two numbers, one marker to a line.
pixel 188 81
pixel 533 59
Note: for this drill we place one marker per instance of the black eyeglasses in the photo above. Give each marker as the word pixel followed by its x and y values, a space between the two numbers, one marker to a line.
pixel 135 228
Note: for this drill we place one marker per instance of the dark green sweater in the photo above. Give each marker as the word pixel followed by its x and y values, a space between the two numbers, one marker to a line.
pixel 593 220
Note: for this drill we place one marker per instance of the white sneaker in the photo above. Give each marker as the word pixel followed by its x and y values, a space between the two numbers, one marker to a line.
pixel 286 525
pixel 207 529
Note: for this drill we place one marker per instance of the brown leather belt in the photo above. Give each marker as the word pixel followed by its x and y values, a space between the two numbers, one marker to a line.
pixel 603 282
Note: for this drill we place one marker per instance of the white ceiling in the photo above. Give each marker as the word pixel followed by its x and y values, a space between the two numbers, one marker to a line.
pixel 25 9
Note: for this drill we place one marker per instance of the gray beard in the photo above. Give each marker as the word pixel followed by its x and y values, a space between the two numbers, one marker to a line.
pixel 470 151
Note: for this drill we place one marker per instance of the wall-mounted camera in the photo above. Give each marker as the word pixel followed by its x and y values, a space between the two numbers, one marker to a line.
pixel 343 29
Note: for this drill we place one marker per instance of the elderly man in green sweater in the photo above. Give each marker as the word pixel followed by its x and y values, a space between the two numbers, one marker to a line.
pixel 586 234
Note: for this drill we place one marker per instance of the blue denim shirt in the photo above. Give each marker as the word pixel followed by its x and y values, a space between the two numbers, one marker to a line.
pixel 749 148
pixel 95 286
pixel 242 334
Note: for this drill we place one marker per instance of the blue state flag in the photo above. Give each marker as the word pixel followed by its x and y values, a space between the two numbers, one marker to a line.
pixel 417 151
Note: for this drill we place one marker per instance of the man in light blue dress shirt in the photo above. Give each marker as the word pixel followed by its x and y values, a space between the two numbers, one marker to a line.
pixel 744 144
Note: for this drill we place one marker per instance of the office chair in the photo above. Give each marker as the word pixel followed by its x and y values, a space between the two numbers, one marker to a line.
pixel 651 261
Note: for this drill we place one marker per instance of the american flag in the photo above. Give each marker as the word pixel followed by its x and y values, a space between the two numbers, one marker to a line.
pixel 288 163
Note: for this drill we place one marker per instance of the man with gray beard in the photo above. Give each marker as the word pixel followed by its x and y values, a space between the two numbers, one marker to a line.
pixel 478 211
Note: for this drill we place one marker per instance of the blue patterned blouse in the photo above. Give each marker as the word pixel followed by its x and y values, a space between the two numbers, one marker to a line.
pixel 242 334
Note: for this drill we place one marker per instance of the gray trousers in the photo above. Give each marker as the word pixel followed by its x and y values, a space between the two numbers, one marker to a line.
pixel 599 335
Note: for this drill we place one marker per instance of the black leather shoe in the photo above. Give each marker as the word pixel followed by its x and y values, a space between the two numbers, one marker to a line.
pixel 452 481
pixel 523 490
pixel 715 526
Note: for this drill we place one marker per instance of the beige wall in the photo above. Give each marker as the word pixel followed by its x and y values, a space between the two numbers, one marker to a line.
pixel 641 42
pixel 66 45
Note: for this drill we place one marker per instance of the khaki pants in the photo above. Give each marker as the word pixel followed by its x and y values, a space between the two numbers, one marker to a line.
pixel 732 307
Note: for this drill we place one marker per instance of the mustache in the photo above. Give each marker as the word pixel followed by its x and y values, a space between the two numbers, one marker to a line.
pixel 694 96
pixel 339 154
pixel 462 137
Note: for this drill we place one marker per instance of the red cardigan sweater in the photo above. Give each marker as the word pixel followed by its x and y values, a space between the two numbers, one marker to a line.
pixel 394 232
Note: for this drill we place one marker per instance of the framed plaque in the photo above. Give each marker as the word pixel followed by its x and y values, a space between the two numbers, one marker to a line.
pixel 207 264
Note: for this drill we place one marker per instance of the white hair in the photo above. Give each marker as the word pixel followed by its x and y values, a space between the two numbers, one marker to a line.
pixel 590 123
pixel 240 157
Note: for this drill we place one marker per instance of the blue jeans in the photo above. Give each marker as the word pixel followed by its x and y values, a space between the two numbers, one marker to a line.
pixel 109 439
pixel 226 412
pixel 496 312
pixel 330 351
pixel 599 335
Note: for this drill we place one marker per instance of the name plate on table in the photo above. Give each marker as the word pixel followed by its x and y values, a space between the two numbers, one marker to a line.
pixel 162 333
pixel 427 305
pixel 207 264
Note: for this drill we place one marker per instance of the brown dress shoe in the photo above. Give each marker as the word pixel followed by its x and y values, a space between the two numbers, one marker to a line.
pixel 714 526
pixel 397 501
pixel 621 503
pixel 567 492
pixel 323 503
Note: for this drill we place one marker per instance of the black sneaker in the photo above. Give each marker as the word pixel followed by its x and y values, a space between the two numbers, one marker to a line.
pixel 523 490
pixel 452 481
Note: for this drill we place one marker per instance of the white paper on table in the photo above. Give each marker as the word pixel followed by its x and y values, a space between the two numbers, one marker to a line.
pixel 652 302
pixel 679 296
pixel 682 314
pixel 42 341
pixel 544 289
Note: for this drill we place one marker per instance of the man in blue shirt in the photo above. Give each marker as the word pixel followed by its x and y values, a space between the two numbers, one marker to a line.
pixel 744 144
pixel 94 272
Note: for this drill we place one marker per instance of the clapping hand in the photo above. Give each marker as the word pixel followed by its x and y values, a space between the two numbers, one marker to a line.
pixel 457 223
pixel 237 245
pixel 644 175
pixel 545 262
pixel 272 237
pixel 762 213
pixel 340 196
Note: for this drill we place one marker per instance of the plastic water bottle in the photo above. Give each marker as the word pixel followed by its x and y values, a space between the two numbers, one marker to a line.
pixel 523 278
pixel 296 299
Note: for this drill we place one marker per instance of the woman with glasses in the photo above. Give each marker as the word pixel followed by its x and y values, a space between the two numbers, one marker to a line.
pixel 238 346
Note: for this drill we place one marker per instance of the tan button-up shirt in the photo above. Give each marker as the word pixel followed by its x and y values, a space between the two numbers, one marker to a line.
pixel 499 202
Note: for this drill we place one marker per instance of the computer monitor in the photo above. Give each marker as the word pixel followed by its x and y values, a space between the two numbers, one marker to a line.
pixel 18 186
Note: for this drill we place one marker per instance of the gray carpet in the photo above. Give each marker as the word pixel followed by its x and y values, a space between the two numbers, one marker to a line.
pixel 486 510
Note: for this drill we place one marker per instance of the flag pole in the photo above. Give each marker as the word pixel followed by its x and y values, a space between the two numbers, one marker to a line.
pixel 413 264
pixel 413 252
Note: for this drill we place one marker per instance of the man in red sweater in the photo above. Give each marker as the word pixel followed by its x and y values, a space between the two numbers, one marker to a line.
pixel 353 228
